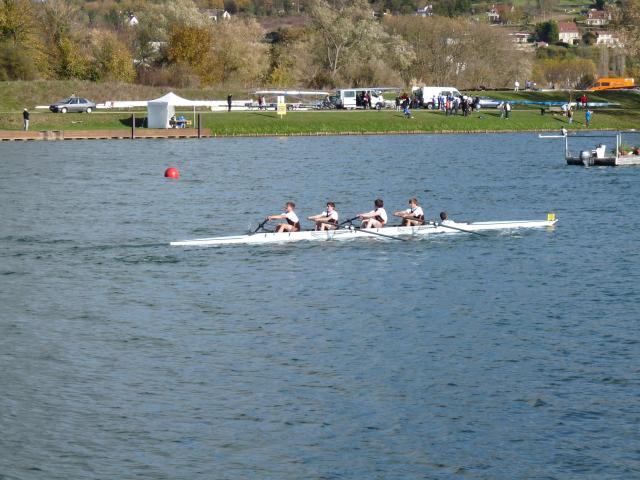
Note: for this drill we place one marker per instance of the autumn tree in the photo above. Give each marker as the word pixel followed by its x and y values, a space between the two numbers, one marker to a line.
pixel 20 46
pixel 111 59
pixel 239 53
pixel 347 34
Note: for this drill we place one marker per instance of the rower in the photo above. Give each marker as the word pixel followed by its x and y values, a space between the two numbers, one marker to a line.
pixel 411 216
pixel 327 220
pixel 293 223
pixel 376 218
pixel 444 219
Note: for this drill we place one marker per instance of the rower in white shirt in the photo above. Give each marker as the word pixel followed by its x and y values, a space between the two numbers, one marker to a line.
pixel 327 220
pixel 412 215
pixel 293 223
pixel 376 218
pixel 444 219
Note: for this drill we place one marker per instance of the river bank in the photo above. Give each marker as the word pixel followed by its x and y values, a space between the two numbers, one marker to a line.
pixel 261 123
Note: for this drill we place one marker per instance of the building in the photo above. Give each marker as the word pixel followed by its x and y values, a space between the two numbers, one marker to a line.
pixel 568 33
pixel 500 13
pixel 521 40
pixel 493 15
pixel 597 18
pixel 519 37
pixel 608 39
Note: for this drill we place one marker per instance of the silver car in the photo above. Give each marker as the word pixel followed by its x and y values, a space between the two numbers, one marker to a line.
pixel 73 104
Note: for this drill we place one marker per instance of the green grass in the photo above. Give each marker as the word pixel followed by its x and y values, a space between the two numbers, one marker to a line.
pixel 247 123
pixel 626 99
pixel 17 94
pixel 268 123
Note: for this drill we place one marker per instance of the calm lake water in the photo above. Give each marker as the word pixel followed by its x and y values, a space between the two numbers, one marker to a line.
pixel 501 357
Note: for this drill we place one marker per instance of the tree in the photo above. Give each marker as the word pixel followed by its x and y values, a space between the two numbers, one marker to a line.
pixel 346 34
pixel 16 21
pixel 447 53
pixel 548 31
pixel 112 61
pixel 239 52
pixel 589 38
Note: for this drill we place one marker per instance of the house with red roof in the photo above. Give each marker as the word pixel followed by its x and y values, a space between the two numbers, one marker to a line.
pixel 568 33
pixel 597 18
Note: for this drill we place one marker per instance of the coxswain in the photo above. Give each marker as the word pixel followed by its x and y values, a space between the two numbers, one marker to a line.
pixel 293 223
pixel 376 218
pixel 411 216
pixel 327 220
pixel 444 219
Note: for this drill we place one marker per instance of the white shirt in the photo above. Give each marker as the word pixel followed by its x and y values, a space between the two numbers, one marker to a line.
pixel 417 212
pixel 291 216
pixel 380 212
pixel 333 215
pixel 448 222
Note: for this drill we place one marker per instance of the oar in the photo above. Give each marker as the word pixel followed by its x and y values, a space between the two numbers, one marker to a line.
pixel 347 221
pixel 459 229
pixel 364 230
pixel 259 227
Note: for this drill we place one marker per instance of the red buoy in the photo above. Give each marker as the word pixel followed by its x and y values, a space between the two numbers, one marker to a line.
pixel 172 172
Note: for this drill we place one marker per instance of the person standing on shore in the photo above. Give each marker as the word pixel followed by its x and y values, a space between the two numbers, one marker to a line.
pixel 516 86
pixel 229 97
pixel 587 117
pixel 25 119
pixel 570 115
pixel 507 110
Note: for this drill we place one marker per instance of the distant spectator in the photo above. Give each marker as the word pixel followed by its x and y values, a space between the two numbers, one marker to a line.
pixel 516 86
pixel 587 117
pixel 507 109
pixel 25 119
pixel 584 101
pixel 500 110
pixel 229 98
pixel 570 115
pixel 397 102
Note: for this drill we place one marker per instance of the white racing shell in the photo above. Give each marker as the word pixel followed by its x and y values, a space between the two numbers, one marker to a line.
pixel 356 233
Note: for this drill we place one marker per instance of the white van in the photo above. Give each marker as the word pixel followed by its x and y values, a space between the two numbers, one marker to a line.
pixel 426 95
pixel 351 98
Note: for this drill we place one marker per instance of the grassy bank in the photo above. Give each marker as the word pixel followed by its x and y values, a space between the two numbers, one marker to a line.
pixel 15 95
pixel 268 123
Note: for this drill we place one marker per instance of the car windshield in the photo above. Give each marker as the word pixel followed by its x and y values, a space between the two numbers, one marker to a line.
pixel 66 100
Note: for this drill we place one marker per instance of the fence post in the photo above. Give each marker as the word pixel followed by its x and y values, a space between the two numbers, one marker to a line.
pixel 133 125
pixel 199 124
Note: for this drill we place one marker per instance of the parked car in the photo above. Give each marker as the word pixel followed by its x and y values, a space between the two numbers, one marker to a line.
pixel 486 102
pixel 73 104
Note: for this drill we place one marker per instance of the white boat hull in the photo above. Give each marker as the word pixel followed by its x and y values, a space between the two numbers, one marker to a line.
pixel 350 234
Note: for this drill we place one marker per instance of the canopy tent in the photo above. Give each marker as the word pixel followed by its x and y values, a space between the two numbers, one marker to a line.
pixel 160 110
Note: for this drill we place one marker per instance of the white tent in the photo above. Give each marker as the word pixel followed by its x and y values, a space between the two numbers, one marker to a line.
pixel 160 110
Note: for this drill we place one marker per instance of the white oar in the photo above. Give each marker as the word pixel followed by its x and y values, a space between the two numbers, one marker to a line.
pixel 459 229
pixel 364 230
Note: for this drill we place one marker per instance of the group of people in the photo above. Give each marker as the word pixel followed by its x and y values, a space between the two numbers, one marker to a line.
pixel 567 111
pixel 448 104
pixel 329 218
pixel 179 122
pixel 504 109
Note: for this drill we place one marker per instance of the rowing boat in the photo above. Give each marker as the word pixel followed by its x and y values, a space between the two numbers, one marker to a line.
pixel 356 233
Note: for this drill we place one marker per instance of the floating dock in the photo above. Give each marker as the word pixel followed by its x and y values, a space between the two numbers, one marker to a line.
pixel 133 133
pixel 599 156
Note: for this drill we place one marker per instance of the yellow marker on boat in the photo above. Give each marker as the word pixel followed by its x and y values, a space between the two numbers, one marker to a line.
pixel 551 217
